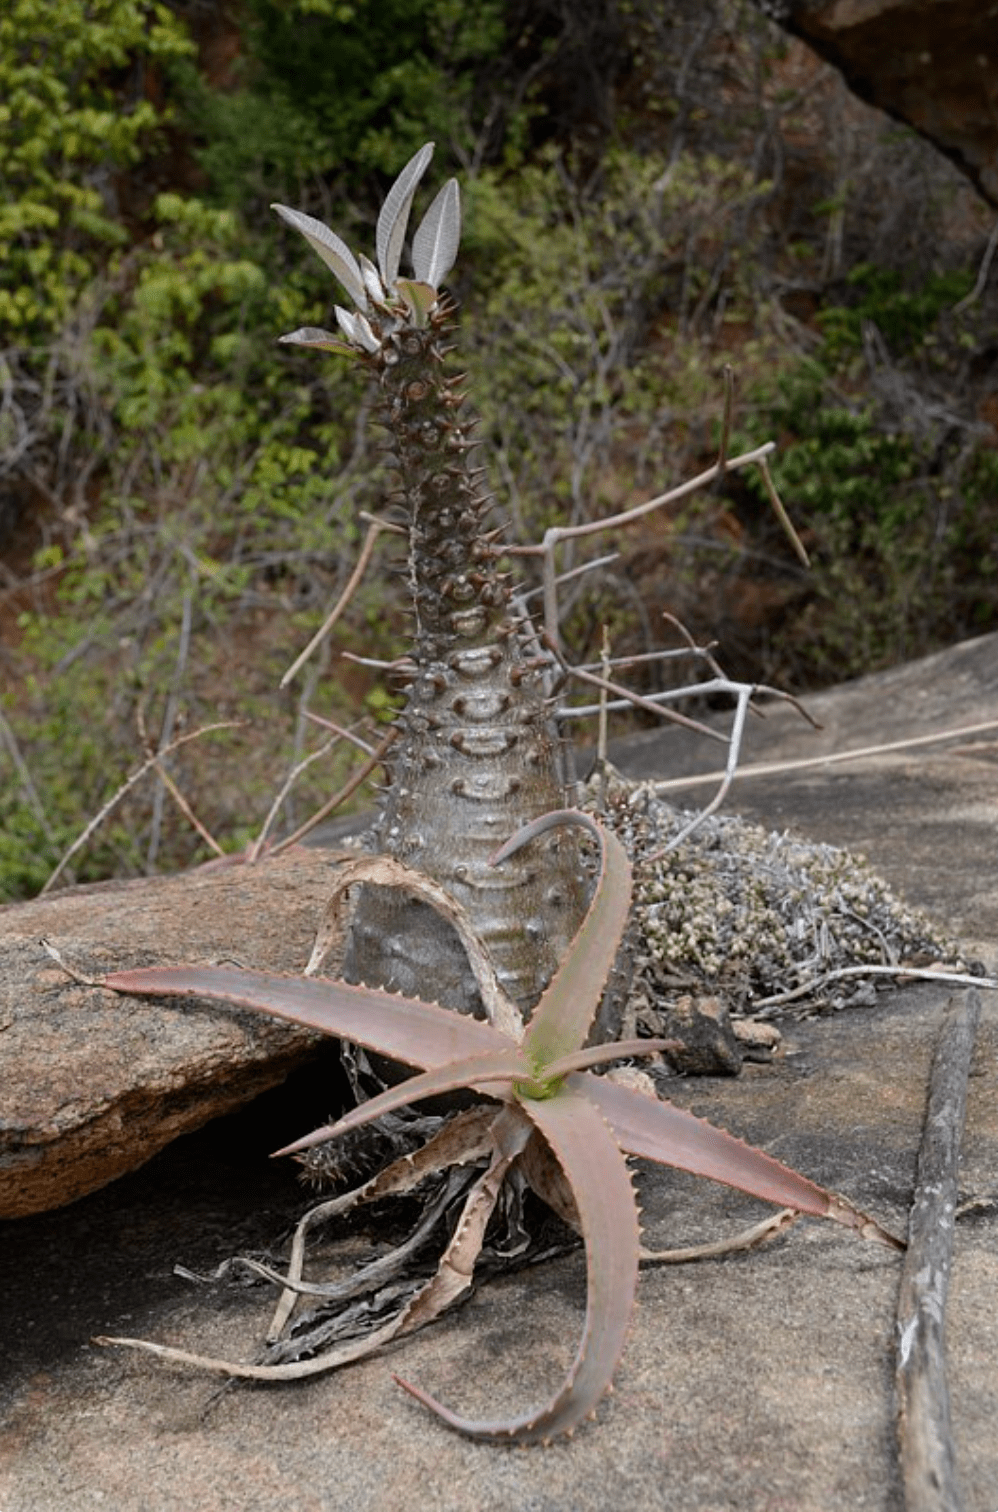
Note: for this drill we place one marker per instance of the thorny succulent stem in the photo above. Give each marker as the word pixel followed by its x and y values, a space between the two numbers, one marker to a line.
pixel 476 755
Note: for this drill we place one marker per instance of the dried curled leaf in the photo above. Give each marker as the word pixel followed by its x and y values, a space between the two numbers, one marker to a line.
pixel 384 871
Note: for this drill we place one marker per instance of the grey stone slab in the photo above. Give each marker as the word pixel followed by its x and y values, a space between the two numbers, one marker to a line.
pixel 762 1382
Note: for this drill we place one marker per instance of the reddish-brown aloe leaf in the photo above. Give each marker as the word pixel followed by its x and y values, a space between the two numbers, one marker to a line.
pixel 475 1071
pixel 659 1131
pixel 598 1055
pixel 407 1029
pixel 600 1181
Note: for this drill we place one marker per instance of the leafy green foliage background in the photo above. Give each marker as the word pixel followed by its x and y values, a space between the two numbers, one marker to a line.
pixel 651 193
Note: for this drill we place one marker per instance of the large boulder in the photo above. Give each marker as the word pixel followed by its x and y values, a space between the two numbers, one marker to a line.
pixel 762 1381
pixel 930 63
pixel 91 1084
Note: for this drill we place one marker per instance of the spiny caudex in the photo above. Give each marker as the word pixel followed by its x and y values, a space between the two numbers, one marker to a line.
pixel 476 755
pixel 476 766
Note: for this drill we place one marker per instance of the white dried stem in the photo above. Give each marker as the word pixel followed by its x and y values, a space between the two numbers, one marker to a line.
pixel 909 973
pixel 253 854
pixel 558 533
pixel 375 530
pixel 803 763
pixel 734 749
pixel 346 791
pixel 747 1239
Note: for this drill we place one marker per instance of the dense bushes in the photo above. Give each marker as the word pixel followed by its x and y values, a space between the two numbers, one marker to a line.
pixel 179 497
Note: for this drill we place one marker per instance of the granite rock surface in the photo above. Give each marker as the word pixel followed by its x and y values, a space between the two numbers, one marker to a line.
pixel 92 1085
pixel 762 1382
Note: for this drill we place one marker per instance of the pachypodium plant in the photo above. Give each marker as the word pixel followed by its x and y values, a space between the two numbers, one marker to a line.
pixel 566 1130
pixel 476 755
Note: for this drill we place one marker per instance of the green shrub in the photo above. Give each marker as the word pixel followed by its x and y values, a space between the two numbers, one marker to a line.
pixel 68 126
pixel 903 316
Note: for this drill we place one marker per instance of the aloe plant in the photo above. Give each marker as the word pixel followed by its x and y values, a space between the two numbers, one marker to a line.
pixel 476 756
pixel 552 1118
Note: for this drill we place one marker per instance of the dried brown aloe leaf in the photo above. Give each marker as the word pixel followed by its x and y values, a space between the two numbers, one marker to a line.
pixel 384 871
pixel 452 1277
pixel 463 1139
pixel 601 1185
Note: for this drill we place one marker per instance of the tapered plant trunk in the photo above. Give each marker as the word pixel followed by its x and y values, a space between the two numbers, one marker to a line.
pixel 476 756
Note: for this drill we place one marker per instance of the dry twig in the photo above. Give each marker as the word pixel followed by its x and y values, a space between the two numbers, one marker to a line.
pixel 928 1464
pixel 254 852
pixel 346 791
pixel 815 984
pixel 375 529
pixel 150 764
pixel 800 764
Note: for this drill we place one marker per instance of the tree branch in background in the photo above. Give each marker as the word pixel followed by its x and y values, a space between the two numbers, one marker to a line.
pixel 150 764
pixel 375 529
pixel 346 791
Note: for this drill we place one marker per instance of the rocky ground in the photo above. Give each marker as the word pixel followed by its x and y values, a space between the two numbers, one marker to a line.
pixel 758 1382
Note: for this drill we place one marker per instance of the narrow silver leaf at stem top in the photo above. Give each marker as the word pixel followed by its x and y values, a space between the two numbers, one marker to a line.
pixel 334 252
pixel 436 242
pixel 394 217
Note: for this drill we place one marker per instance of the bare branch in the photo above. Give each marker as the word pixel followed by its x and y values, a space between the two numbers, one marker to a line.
pixel 649 705
pixel 345 792
pixel 169 722
pixel 928 1460
pixel 982 273
pixel 253 854
pixel 781 514
pixel 729 404
pixel 400 664
pixel 341 730
pixel 558 533
pixel 777 768
pixel 28 788
pixel 126 787
pixel 185 808
pixel 375 529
